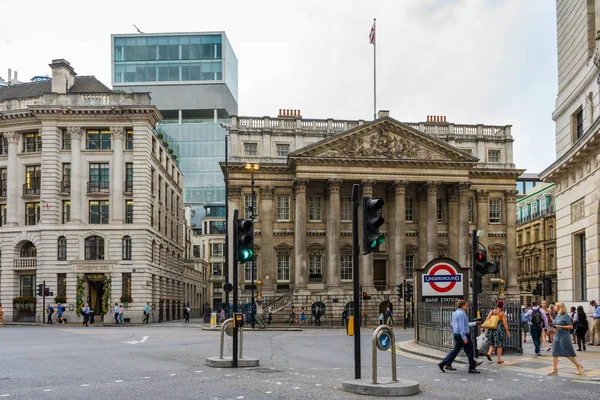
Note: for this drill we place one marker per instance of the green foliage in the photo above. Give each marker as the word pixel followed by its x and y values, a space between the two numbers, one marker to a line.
pixel 24 300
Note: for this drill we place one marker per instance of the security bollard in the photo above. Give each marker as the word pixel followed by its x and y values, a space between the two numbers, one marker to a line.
pixel 384 339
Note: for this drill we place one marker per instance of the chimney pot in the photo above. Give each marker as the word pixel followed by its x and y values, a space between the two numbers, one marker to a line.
pixel 444 118
pixel 63 76
pixel 383 113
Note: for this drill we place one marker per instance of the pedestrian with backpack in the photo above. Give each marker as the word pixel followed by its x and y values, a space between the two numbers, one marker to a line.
pixel 537 322
pixel 50 311
pixel 581 325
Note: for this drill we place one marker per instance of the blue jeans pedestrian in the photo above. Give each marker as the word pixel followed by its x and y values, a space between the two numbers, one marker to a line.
pixel 536 335
pixel 458 345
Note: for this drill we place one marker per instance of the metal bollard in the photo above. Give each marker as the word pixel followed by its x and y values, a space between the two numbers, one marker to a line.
pixel 382 331
pixel 241 329
pixel 223 327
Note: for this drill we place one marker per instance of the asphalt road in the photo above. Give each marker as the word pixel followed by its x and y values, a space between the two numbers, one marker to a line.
pixel 167 362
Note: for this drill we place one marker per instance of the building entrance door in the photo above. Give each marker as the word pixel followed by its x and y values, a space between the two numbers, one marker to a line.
pixel 96 291
pixel 379 274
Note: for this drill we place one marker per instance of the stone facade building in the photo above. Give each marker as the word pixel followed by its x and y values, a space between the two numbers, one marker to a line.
pixel 91 200
pixel 439 181
pixel 536 243
pixel 576 171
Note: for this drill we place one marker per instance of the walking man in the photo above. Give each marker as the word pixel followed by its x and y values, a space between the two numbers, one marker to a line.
pixel 317 316
pixel 524 323
pixel 537 321
pixel 117 311
pixel 121 320
pixel 595 331
pixel 389 321
pixel 146 312
pixel 50 311
pixel 461 328
pixel 59 312
pixel 186 312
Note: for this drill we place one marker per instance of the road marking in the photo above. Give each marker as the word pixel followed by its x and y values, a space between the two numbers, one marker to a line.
pixel 590 382
pixel 438 380
pixel 269 392
pixel 146 377
pixel 144 338
pixel 85 385
pixel 463 379
pixel 198 371
pixel 120 380
pixel 173 374
pixel 47 390
pixel 516 380
pixel 4 395
pixel 490 379
pixel 296 388
pixel 279 383
pixel 317 384
pixel 240 397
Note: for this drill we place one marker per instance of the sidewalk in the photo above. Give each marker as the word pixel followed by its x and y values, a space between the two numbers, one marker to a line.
pixel 527 362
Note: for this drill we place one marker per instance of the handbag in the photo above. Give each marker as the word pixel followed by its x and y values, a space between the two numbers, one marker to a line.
pixel 491 322
pixel 482 342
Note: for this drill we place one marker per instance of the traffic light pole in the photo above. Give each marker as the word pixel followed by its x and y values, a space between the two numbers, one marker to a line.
pixel 356 278
pixel 226 266
pixel 404 316
pixel 43 302
pixel 234 356
pixel 252 197
pixel 475 286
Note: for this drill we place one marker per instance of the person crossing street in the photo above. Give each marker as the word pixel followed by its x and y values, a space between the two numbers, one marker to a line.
pixel 461 328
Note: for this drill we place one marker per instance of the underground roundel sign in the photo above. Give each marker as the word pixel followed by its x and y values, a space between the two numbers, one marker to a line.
pixel 442 279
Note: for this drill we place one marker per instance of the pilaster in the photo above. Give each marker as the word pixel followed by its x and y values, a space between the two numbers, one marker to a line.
pixel 399 260
pixel 432 237
pixel 266 264
pixel 301 264
pixel 333 234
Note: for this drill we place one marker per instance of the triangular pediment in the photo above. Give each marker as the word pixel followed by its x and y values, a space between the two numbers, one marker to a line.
pixel 384 139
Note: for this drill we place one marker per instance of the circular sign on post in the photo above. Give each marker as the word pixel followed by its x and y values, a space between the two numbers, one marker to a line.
pixel 229 330
pixel 384 341
pixel 228 287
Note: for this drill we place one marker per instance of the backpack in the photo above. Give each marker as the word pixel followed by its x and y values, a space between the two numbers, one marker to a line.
pixel 536 318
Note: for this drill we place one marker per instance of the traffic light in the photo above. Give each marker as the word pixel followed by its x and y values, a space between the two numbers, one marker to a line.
pixel 548 283
pixel 538 290
pixel 47 291
pixel 40 290
pixel 399 291
pixel 366 296
pixel 481 264
pixel 243 238
pixel 408 293
pixel 372 220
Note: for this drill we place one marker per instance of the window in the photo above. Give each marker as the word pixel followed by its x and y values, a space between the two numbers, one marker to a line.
pixel 65 186
pixel 129 139
pixel 160 186
pixel 152 175
pixel 527 237
pixel 98 139
pixel 27 285
pixel 493 156
pixel 580 267
pixel 536 234
pixel 152 215
pixel 126 244
pixel 409 210
pixel 3 182
pixel 129 211
pixel 248 271
pixel 346 266
pixel 99 212
pixel 283 208
pixel 217 269
pixel 196 251
pixel 495 211
pixel 66 211
pixel 250 149
pixel 470 209
pixel 159 220
pixel 345 208
pixel 520 240
pixel 32 216
pixel 3 214
pixel 28 250
pixel 283 268
pixel 126 285
pixel 94 248
pixel 61 287
pixel 32 142
pixel 314 208
pixel 315 268
pixel 551 231
pixel 282 150
pixel 528 265
pixel 578 120
pixel 216 249
pixel 33 180
pixel 62 248
pixel 409 266
pixel 3 145
pixel 99 178
pixel 536 264
pixel 551 261
pixel 66 140
pixel 129 178
pixel 248 207
pixel 439 209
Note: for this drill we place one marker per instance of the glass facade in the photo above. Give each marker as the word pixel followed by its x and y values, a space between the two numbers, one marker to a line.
pixel 200 147
pixel 170 59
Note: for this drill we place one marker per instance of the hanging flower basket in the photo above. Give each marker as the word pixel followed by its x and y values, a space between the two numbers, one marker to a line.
pixel 60 299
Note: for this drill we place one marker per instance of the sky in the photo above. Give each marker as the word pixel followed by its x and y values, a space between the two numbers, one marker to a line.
pixel 473 61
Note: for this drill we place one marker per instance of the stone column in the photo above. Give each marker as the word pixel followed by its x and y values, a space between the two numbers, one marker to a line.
pixel 400 231
pixel 234 194
pixel 266 261
pixel 483 215
pixel 422 220
pixel 432 237
pixel 366 270
pixel 463 223
pixel 301 264
pixel 118 177
pixel 510 264
pixel 76 182
pixel 453 219
pixel 333 234
pixel 12 175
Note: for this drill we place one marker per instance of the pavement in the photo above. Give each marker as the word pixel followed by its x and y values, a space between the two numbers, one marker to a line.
pixel 167 361
pixel 527 362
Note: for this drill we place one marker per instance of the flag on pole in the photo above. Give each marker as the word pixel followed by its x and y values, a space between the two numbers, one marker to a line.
pixel 372 34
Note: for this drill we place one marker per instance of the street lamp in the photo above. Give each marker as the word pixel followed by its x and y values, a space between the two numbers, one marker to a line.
pixel 258 291
pixel 252 167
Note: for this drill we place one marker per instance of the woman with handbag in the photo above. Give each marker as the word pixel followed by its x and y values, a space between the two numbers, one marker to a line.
pixel 562 346
pixel 496 335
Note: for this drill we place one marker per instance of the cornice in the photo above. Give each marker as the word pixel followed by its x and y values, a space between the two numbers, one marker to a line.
pixel 118 113
pixel 493 173
pixel 369 162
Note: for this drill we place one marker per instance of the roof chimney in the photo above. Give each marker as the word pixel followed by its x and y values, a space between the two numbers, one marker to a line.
pixel 63 76
pixel 383 113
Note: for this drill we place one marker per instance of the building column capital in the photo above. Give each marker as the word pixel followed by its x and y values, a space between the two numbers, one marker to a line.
pixel 11 137
pixel 300 185
pixel 75 132
pixel 117 132
pixel 234 192
pixel 482 195
pixel 463 188
pixel 452 193
pixel 334 185
pixel 399 187
pixel 432 187
pixel 510 195
pixel 367 184
pixel 266 192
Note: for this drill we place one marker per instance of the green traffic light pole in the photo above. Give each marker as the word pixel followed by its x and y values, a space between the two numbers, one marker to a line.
pixel 234 355
pixel 253 256
pixel 356 279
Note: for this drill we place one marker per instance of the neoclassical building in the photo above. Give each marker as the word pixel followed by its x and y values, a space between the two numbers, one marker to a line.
pixel 439 181
pixel 90 200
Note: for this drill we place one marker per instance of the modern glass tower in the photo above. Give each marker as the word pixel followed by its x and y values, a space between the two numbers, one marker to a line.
pixel 192 78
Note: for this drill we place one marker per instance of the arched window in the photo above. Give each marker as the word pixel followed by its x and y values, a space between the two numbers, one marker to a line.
pixel 28 250
pixel 126 247
pixel 62 248
pixel 94 248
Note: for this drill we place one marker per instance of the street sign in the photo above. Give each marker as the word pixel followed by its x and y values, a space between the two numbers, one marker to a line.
pixel 228 287
pixel 443 278
pixel 384 341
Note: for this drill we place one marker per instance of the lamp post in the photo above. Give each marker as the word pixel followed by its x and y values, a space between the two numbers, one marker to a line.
pixel 252 167
pixel 226 266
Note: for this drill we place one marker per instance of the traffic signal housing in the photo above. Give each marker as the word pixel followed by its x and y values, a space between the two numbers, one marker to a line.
pixel 244 240
pixel 538 290
pixel 481 264
pixel 40 290
pixel 47 291
pixel 408 292
pixel 399 291
pixel 372 221
pixel 548 283
pixel 366 296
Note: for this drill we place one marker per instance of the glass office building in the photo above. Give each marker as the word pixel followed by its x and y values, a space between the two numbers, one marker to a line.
pixel 192 78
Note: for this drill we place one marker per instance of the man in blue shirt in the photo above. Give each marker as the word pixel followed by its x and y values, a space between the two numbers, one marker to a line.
pixel 595 331
pixel 461 328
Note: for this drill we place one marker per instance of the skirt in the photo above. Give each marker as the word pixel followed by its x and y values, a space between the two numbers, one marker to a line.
pixel 496 337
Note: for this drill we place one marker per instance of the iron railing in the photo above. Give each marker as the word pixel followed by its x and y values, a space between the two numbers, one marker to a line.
pixel 535 215
pixel 65 186
pixel 24 312
pixel 98 187
pixel 32 187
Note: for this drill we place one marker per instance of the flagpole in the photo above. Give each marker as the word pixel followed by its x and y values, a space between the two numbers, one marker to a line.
pixel 374 71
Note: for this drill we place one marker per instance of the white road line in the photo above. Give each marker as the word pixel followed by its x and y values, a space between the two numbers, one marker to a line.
pixel 120 380
pixel 463 379
pixel 144 338
pixel 296 388
pixel 198 371
pixel 269 392
pixel 47 390
pixel 85 385
pixel 146 377
pixel 279 383
pixel 173 374
pixel 240 397
pixel 5 395
pixel 317 384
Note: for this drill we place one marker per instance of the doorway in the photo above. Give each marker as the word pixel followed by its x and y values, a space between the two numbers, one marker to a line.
pixel 379 274
pixel 95 294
